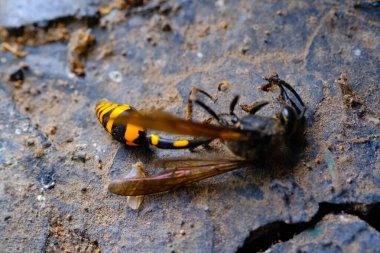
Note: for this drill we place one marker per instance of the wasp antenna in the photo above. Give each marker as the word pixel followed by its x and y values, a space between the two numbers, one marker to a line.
pixel 193 97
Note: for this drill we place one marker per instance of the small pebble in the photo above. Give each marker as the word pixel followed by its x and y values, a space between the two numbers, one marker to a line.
pixel 52 130
pixel 166 27
pixel 80 157
pixel 223 24
pixel 357 52
pixel 39 153
pixel 74 99
pixel 30 142
pixel 116 76
pixel 182 232
pixel 244 49
pixel 68 217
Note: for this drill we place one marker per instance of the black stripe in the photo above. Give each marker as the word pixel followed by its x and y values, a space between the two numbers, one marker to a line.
pixel 118 131
pixel 97 111
pixel 119 127
pixel 141 140
pixel 101 109
pixel 106 117
pixel 165 143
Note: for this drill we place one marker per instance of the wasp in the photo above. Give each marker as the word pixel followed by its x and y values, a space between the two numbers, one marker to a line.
pixel 248 137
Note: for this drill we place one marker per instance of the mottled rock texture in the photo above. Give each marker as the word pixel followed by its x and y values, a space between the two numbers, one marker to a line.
pixel 335 233
pixel 53 192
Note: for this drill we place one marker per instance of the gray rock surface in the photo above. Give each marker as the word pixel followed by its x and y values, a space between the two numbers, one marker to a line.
pixel 53 191
pixel 17 13
pixel 334 233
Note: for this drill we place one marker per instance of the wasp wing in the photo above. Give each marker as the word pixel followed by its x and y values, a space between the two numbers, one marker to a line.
pixel 175 163
pixel 165 122
pixel 172 179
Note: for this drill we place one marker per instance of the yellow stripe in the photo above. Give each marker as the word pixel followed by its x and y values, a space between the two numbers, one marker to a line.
pixel 154 139
pixel 100 108
pixel 181 143
pixel 101 104
pixel 114 114
pixel 132 133
pixel 105 110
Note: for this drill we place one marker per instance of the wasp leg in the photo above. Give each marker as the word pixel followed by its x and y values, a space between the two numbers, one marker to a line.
pixel 192 97
pixel 233 105
pixel 289 101
pixel 290 113
pixel 210 111
pixel 289 87
pixel 189 112
pixel 165 143
pixel 282 84
pixel 254 107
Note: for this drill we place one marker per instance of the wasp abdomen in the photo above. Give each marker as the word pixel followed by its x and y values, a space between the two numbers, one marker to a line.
pixel 112 117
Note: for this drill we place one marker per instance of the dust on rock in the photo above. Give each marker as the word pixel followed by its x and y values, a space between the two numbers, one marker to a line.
pixel 80 43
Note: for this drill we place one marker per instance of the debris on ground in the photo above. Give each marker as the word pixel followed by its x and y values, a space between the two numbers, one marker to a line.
pixel 14 49
pixel 56 161
pixel 80 43
pixel 350 98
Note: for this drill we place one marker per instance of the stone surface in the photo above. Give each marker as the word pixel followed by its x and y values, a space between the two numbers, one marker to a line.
pixel 334 233
pixel 17 13
pixel 47 174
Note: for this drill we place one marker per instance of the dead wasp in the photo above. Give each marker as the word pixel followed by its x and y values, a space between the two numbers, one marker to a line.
pixel 247 137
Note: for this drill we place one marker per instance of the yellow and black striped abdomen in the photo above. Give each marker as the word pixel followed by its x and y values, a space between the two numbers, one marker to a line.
pixel 112 117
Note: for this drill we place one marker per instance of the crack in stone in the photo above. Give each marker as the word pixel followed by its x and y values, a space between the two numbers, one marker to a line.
pixel 266 236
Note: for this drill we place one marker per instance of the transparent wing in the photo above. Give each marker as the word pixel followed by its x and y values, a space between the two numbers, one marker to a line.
pixel 172 179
